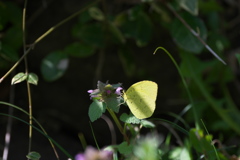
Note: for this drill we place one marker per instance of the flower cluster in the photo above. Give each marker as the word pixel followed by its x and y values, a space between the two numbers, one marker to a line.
pixel 105 91
pixel 93 154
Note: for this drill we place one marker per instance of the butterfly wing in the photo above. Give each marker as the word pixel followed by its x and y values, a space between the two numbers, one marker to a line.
pixel 141 97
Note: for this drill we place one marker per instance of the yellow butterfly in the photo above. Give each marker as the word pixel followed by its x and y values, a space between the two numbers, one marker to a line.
pixel 141 98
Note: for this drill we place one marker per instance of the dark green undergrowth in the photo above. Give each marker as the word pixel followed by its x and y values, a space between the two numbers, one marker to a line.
pixel 197 47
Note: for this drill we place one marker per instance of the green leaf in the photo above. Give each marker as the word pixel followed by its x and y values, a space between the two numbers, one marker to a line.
pixel 147 124
pixel 184 38
pixel 84 17
pixel 15 32
pixel 80 50
pixel 54 66
pixel 116 33
pixel 218 42
pixel 202 143
pixel 96 110
pixel 33 156
pixel 90 33
pixel 138 26
pixel 125 148
pixel 19 78
pixel 96 13
pixel 238 58
pixel 131 119
pixel 127 60
pixel 210 6
pixel 113 103
pixel 147 148
pixel 190 5
pixel 32 78
pixel 195 136
pixel 8 52
pixel 179 153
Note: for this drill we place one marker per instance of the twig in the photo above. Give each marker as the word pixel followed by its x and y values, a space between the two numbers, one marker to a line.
pixel 43 36
pixel 195 34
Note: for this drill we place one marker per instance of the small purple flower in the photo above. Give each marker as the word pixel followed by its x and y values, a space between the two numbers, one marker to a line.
pixel 105 91
pixel 80 156
pixel 118 90
pixel 90 91
pixel 94 154
pixel 108 91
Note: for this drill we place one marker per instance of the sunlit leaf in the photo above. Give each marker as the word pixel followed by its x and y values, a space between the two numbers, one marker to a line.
pixel 180 153
pixel 96 110
pixel 147 124
pixel 131 119
pixel 54 66
pixel 32 78
pixel 19 78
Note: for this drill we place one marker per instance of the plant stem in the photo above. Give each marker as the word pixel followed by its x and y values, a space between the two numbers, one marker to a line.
pixel 118 124
pixel 195 34
pixel 185 85
pixel 35 120
pixel 26 71
pixel 63 21
pixel 43 36
pixel 230 116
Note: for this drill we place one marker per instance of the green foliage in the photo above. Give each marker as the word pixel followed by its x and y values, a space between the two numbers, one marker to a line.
pixel 147 148
pixel 131 119
pixel 33 156
pixel 196 28
pixel 202 144
pixel 137 25
pixel 184 37
pixel 96 110
pixel 54 65
pixel 124 148
pixel 30 78
pixel 80 50
pixel 179 153
pixel 190 6
pixel 11 36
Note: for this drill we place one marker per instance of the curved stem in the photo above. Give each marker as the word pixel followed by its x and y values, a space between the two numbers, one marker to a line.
pixel 43 133
pixel 185 85
pixel 35 120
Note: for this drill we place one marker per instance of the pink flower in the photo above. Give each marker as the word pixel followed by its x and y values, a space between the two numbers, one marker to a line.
pixel 94 154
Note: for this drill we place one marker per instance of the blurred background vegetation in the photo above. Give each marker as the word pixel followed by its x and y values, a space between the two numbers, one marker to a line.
pixel 114 41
